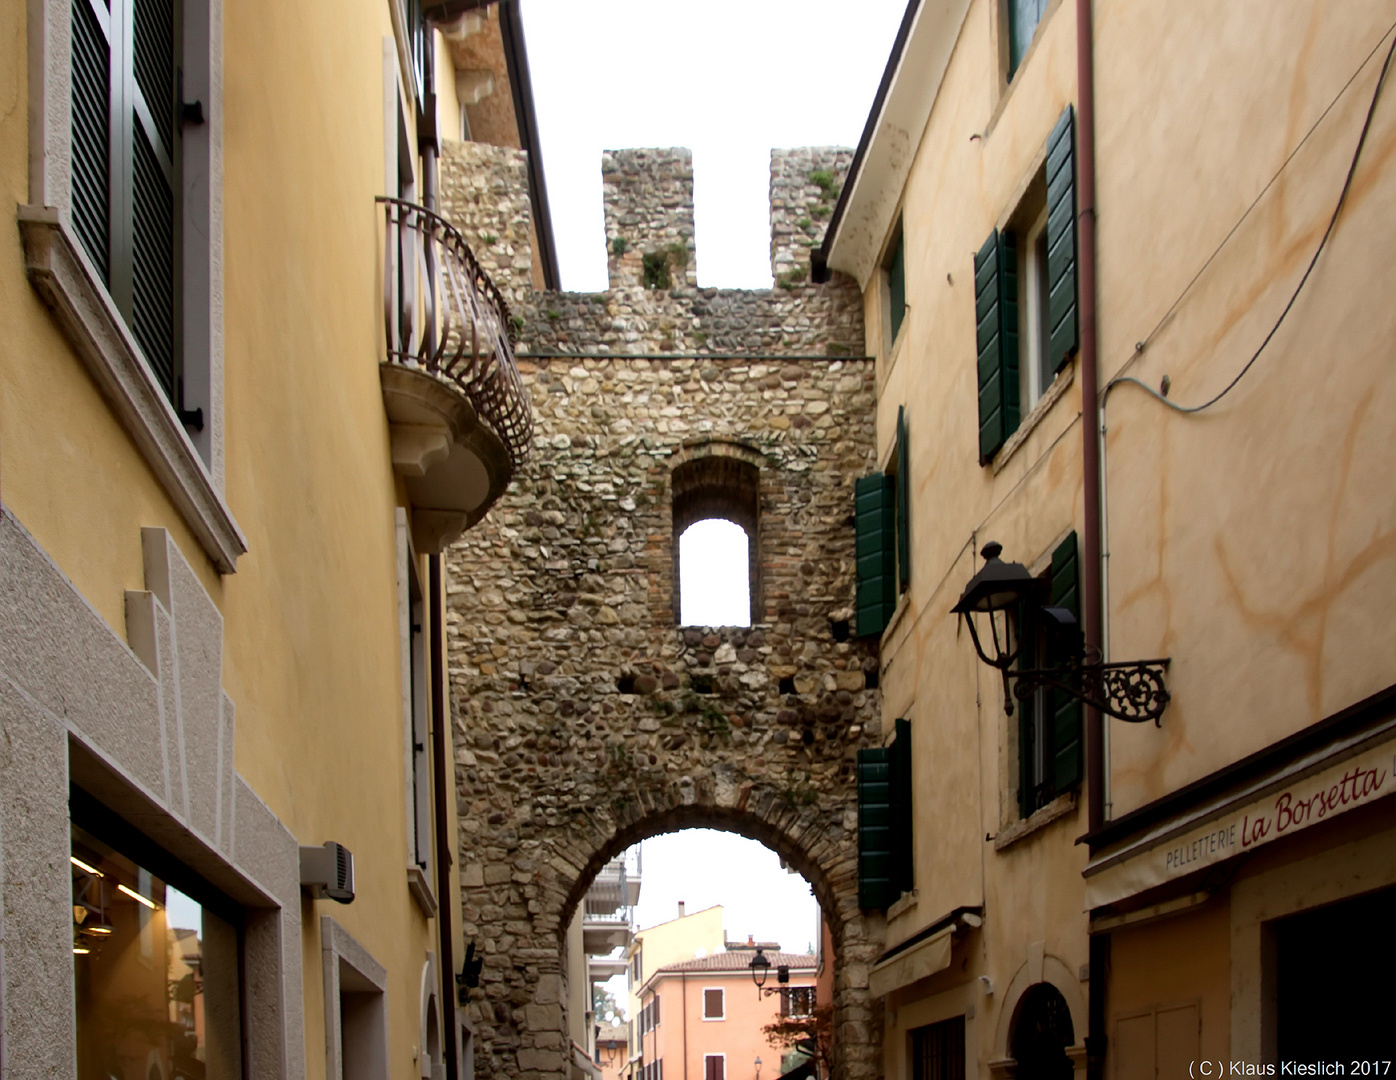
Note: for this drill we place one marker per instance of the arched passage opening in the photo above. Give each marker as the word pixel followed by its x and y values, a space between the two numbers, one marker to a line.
pixel 810 958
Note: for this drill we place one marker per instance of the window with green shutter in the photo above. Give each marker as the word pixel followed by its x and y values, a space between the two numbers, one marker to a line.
pixel 1026 296
pixel 903 482
pixel 1023 17
pixel 1049 723
pixel 996 341
pixel 896 283
pixel 885 863
pixel 875 515
pixel 126 154
pixel 1061 329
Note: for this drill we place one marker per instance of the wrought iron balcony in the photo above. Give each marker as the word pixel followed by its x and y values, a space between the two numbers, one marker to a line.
pixel 459 414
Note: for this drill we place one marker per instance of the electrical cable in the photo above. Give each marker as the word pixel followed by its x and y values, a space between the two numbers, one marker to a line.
pixel 1328 232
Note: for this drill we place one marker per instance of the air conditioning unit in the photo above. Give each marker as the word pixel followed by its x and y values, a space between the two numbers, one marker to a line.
pixel 328 872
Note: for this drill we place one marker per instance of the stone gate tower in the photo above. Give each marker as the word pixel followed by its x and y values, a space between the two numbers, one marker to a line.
pixel 586 717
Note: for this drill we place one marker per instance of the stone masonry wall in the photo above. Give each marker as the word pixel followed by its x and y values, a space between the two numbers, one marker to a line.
pixel 484 193
pixel 584 718
pixel 805 184
pixel 648 197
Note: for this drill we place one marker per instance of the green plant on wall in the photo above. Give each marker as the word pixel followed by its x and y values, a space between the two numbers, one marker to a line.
pixel 619 246
pixel 825 181
pixel 656 268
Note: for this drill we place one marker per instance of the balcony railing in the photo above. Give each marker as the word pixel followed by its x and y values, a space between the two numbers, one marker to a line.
pixel 444 316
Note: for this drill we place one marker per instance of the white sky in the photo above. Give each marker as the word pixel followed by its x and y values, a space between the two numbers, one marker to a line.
pixel 703 867
pixel 729 82
pixel 714 575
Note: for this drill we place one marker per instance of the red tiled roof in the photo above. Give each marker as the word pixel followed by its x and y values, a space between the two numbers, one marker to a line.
pixel 741 961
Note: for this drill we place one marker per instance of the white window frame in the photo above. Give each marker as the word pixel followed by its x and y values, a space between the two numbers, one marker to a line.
pixel 1032 335
pixel 417 774
pixel 721 990
pixel 188 464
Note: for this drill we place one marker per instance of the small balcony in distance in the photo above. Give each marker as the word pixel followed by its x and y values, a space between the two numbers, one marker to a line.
pixel 606 910
pixel 459 415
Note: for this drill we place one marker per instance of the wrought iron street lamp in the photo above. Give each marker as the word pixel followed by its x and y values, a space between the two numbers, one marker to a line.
pixel 1131 690
pixel 761 968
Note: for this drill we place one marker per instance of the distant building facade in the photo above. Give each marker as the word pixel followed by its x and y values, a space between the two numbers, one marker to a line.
pixel 706 1017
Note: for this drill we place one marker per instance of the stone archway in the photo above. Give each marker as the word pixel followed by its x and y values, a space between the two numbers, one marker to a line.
pixel 585 716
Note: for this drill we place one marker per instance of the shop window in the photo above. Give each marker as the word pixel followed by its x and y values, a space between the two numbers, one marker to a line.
pixel 715 1004
pixel 1042 1031
pixel 938 1050
pixel 716 501
pixel 1049 722
pixel 1025 296
pixel 155 964
pixel 1320 949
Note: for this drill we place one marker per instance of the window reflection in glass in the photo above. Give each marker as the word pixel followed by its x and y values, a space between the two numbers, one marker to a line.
pixel 155 974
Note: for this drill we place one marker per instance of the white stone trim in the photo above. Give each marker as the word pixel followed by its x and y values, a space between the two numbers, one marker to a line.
pixel 65 278
pixel 148 731
pixel 347 965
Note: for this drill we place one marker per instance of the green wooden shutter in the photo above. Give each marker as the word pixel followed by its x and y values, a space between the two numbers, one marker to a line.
pixel 903 864
pixel 875 841
pixel 125 133
pixel 996 341
pixel 154 136
pixel 1065 710
pixel 91 133
pixel 903 504
pixel 875 514
pixel 1061 242
pixel 896 284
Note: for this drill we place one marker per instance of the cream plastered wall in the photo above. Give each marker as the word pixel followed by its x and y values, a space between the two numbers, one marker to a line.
pixel 578 986
pixel 313 644
pixel 981 147
pixel 1256 542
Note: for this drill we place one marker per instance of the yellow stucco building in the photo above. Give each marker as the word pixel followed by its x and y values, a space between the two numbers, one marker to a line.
pixel 1127 271
pixel 244 400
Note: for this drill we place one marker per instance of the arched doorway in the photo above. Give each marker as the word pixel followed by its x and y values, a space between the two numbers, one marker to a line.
pixel 1042 1032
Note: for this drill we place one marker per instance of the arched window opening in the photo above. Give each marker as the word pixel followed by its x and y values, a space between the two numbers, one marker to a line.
pixel 716 500
pixel 714 574
pixel 1041 1034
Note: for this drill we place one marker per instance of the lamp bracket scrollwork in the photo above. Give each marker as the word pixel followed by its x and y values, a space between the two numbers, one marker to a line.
pixel 1132 690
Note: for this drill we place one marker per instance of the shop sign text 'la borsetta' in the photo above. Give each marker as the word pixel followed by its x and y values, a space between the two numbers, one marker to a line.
pixel 1241 823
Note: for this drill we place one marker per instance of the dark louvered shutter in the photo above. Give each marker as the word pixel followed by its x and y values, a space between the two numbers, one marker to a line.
pixel 903 876
pixel 125 178
pixel 903 504
pixel 875 841
pixel 875 515
pixel 91 133
pixel 1065 711
pixel 896 284
pixel 996 341
pixel 153 140
pixel 1061 242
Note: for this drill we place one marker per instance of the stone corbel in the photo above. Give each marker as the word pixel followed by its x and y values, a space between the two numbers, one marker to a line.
pixel 1004 1068
pixel 473 85
pixel 417 447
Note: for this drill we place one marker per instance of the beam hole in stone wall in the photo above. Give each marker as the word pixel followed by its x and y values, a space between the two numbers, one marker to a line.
pixel 716 530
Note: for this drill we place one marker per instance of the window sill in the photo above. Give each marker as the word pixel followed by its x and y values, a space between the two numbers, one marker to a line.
pixel 62 275
pixel 1064 379
pixel 1060 807
pixel 420 889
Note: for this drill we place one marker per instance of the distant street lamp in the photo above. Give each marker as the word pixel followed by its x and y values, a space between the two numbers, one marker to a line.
pixel 758 1067
pixel 761 967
